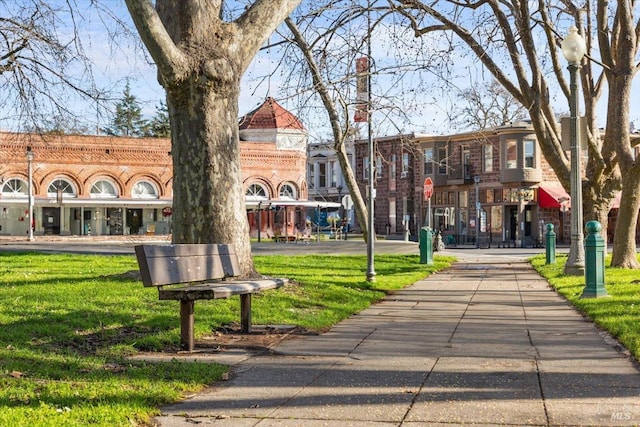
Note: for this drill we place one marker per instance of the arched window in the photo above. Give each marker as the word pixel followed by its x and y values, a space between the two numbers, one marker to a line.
pixel 15 188
pixel 67 189
pixel 144 190
pixel 288 192
pixel 103 190
pixel 256 192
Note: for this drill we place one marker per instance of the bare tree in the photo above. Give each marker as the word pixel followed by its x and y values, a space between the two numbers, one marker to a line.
pixel 340 124
pixel 504 36
pixel 35 53
pixel 486 106
pixel 200 59
pixel 47 62
pixel 321 74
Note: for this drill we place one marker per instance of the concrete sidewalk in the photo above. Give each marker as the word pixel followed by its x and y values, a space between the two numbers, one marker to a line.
pixel 484 343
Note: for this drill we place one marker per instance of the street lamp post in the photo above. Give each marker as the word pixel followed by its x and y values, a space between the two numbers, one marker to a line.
pixel 30 191
pixel 573 49
pixel 371 234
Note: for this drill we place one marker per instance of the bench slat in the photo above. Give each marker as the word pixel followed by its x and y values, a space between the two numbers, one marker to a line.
pixel 165 265
pixel 219 290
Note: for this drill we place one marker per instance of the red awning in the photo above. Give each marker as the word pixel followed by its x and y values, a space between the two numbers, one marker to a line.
pixel 553 197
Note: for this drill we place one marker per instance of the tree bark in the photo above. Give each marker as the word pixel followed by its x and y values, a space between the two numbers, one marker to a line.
pixel 200 61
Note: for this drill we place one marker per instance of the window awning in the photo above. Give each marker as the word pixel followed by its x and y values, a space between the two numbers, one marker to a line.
pixel 553 197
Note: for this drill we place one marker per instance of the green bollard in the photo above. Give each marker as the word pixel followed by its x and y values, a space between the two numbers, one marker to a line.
pixel 426 246
pixel 550 244
pixel 594 262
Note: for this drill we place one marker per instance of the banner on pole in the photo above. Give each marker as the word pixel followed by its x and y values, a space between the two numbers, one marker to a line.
pixel 362 90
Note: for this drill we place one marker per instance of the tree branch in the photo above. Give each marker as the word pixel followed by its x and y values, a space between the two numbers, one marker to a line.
pixel 171 62
pixel 258 22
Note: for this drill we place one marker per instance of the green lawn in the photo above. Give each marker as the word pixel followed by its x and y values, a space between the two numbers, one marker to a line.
pixel 69 321
pixel 619 313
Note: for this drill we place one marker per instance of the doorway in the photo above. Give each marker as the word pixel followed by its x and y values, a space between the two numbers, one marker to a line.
pixel 51 221
pixel 512 231
pixel 134 220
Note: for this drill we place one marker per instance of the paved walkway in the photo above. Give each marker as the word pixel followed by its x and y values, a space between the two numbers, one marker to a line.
pixel 484 343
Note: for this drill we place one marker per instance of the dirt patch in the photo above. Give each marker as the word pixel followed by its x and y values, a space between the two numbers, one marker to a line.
pixel 261 337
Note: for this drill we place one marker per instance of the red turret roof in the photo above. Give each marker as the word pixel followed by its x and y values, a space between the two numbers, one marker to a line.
pixel 270 115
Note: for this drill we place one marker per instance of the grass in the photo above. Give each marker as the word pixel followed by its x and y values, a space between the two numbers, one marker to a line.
pixel 619 313
pixel 69 322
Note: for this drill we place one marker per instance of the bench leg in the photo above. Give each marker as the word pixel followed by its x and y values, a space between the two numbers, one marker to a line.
pixel 186 325
pixel 245 313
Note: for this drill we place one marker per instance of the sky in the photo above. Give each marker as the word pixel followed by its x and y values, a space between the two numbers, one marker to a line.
pixel 123 59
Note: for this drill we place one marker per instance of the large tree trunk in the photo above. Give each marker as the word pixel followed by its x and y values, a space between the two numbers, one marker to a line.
pixel 620 82
pixel 624 247
pixel 200 61
pixel 208 196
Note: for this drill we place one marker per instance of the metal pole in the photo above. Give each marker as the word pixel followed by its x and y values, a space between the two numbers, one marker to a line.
pixel 371 274
pixel 30 191
pixel 575 262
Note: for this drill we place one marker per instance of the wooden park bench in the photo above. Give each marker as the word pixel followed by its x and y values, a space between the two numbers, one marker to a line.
pixel 190 272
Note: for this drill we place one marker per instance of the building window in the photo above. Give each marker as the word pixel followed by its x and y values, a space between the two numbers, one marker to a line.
pixel 378 167
pixel 529 153
pixel 463 198
pixel 103 190
pixel 405 165
pixel 14 188
pixel 465 155
pixel 144 190
pixel 322 175
pixel 428 161
pixel 392 168
pixel 256 192
pixel 334 173
pixel 442 161
pixel 287 192
pixel 65 187
pixel 365 168
pixel 312 175
pixel 487 158
pixel 511 154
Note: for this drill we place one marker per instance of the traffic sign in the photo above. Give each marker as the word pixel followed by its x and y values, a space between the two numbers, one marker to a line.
pixel 347 202
pixel 428 188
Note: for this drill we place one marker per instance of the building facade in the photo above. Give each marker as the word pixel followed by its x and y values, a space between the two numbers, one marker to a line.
pixel 325 177
pixel 492 186
pixel 105 185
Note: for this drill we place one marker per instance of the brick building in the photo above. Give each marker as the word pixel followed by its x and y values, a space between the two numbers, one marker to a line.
pixel 104 185
pixel 515 195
